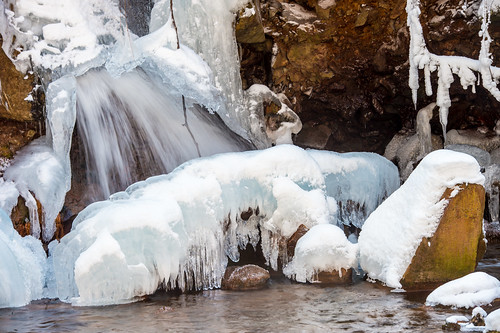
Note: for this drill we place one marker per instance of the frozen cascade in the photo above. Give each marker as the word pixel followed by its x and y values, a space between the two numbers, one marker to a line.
pixel 178 230
pixel 144 128
pixel 206 26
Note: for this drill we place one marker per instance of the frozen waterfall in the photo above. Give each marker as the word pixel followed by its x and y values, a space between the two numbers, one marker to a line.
pixel 132 128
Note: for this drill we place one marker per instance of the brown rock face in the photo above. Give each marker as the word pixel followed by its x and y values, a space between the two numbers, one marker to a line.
pixel 248 277
pixel 291 243
pixel 457 244
pixel 344 65
pixel 14 89
pixel 334 277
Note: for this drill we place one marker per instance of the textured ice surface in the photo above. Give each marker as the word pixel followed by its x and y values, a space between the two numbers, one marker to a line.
pixel 61 36
pixel 359 182
pixel 178 230
pixel 22 266
pixel 393 232
pixel 324 248
pixel 472 290
pixel 492 321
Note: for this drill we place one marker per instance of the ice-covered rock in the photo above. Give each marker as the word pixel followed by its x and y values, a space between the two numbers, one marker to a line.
pixel 472 290
pixel 178 230
pixel 492 186
pixel 274 128
pixel 324 248
pixel 393 232
pixel 22 266
pixel 43 167
pixel 492 321
pixel 359 182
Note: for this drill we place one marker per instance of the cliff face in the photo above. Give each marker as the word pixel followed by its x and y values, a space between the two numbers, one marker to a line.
pixel 344 65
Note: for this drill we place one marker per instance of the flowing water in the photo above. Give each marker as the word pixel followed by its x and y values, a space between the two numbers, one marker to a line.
pixel 132 128
pixel 282 307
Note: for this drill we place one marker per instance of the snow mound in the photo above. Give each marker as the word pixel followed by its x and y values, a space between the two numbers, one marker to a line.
pixel 472 290
pixel 393 232
pixel 492 321
pixel 178 230
pixel 324 248
pixel 22 266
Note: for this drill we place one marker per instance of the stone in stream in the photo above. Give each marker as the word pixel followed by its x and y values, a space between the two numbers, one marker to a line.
pixel 248 277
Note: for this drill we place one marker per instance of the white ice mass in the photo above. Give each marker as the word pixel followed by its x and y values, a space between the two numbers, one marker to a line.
pixel 63 41
pixel 22 266
pixel 392 233
pixel 178 230
pixel 324 248
pixel 472 290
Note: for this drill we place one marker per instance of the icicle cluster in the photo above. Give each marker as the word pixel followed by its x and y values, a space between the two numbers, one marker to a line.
pixel 468 70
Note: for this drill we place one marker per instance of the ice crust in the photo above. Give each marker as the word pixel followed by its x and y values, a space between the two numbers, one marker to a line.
pixel 392 233
pixel 472 290
pixel 178 230
pixel 324 248
pixel 22 266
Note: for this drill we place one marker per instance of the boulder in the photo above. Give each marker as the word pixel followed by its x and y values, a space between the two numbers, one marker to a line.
pixel 456 246
pixel 248 277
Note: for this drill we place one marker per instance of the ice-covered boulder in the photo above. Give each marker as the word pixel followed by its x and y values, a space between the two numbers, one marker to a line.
pixel 322 254
pixel 22 266
pixel 410 217
pixel 178 230
pixel 472 290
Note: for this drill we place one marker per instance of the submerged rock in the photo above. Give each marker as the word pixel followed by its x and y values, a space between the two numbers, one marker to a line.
pixel 458 243
pixel 248 277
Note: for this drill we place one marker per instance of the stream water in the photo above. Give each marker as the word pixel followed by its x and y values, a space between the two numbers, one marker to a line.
pixel 282 307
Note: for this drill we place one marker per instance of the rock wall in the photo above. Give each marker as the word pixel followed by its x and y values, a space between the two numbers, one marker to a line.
pixel 344 65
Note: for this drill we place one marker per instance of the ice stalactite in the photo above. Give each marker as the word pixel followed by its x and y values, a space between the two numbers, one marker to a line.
pixel 447 66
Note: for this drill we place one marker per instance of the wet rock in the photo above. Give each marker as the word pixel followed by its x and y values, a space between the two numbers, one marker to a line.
pixel 15 88
pixel 313 136
pixel 335 277
pixel 248 26
pixel 291 243
pixel 456 246
pixel 248 277
pixel 21 218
